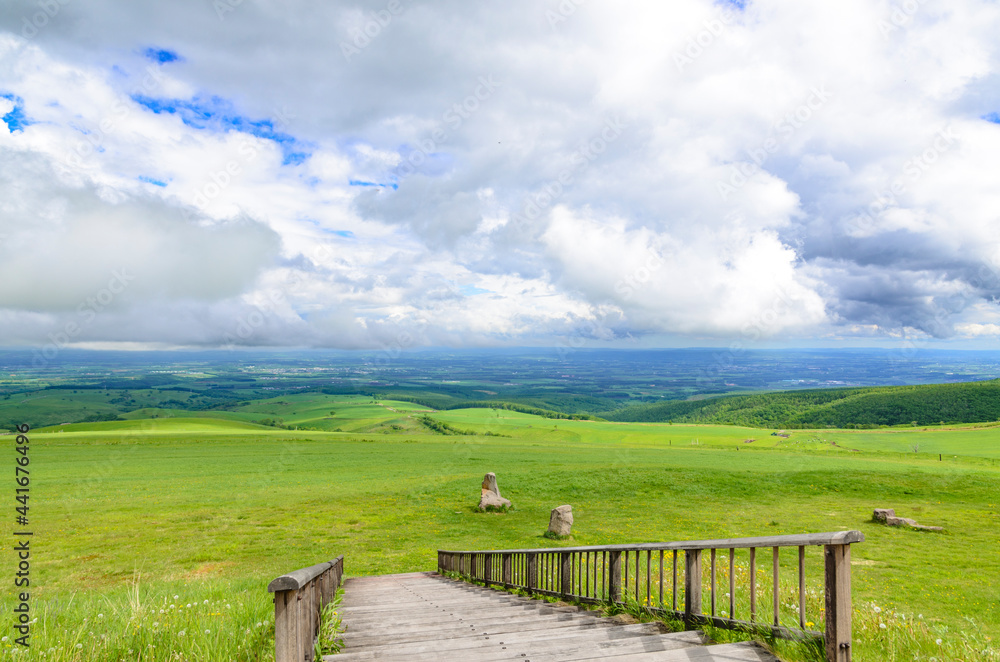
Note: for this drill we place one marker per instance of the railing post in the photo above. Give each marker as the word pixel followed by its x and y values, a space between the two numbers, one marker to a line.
pixel 285 631
pixel 301 607
pixel 615 577
pixel 488 568
pixel 692 586
pixel 565 573
pixel 312 620
pixel 507 570
pixel 532 571
pixel 838 603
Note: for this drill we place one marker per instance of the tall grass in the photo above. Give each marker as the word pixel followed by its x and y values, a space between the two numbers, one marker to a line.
pixel 163 621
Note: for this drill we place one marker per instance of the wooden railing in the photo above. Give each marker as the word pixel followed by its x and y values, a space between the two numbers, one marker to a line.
pixel 601 574
pixel 298 600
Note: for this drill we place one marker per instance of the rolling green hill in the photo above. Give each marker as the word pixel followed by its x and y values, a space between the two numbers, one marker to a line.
pixel 969 402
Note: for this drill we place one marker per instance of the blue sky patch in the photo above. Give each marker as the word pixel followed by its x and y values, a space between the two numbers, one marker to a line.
pixel 347 234
pixel 739 4
pixel 161 55
pixel 294 158
pixel 15 120
pixel 218 114
pixel 150 180
pixel 358 182
pixel 992 117
pixel 471 290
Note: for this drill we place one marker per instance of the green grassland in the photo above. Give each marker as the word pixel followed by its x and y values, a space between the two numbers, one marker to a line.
pixel 211 506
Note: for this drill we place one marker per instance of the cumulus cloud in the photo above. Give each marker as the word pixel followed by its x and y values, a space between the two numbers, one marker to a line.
pixel 65 244
pixel 378 173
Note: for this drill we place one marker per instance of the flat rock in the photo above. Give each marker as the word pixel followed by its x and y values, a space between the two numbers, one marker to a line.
pixel 888 517
pixel 924 527
pixel 900 521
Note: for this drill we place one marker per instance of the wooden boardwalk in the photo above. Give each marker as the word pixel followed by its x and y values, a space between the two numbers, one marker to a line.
pixel 423 616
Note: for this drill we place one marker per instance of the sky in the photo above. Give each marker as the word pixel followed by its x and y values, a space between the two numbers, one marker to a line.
pixel 399 174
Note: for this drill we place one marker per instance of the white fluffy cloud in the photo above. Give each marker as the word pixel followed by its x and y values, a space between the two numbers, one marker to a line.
pixel 371 173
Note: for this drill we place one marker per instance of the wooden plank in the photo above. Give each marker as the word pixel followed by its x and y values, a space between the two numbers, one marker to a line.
pixel 284 627
pixel 615 577
pixel 557 648
pixel 732 584
pixel 510 646
pixel 774 593
pixel 580 633
pixel 628 650
pixel 468 631
pixel 470 610
pixel 649 567
pixel 300 609
pixel 387 609
pixel 692 584
pixel 675 580
pixel 605 586
pixel 435 619
pixel 299 578
pixel 742 652
pixel 565 573
pixel 802 587
pixel 661 578
pixel 838 603
pixel 714 588
pixel 624 573
pixel 462 628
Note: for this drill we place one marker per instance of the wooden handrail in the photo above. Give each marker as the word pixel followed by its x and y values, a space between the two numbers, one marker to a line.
pixel 796 540
pixel 601 574
pixel 299 598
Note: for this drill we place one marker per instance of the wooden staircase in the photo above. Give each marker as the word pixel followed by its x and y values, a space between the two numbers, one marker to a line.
pixel 424 616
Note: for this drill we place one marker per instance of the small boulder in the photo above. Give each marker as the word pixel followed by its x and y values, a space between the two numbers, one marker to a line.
pixel 490 496
pixel 561 521
pixel 882 514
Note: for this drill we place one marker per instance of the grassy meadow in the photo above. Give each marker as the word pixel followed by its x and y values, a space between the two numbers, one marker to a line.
pixel 155 538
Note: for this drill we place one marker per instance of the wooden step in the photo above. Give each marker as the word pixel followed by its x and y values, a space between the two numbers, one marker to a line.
pixel 421 617
pixel 500 646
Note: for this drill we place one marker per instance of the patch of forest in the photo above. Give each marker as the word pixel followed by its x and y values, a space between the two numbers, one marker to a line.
pixel 931 404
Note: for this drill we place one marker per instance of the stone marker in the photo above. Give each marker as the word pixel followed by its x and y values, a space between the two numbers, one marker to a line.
pixel 491 494
pixel 561 521
pixel 881 514
pixel 888 517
